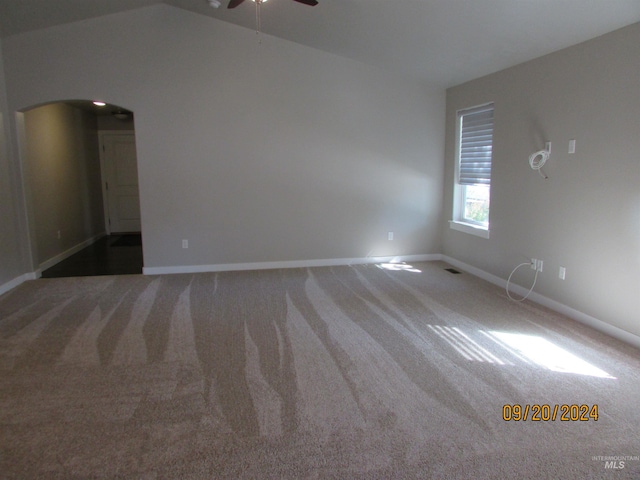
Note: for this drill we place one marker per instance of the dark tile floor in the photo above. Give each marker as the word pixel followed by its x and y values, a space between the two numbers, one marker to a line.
pixel 111 255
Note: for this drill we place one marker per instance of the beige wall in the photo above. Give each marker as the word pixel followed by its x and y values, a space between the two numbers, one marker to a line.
pixel 586 216
pixel 254 152
pixel 108 122
pixel 62 166
pixel 11 253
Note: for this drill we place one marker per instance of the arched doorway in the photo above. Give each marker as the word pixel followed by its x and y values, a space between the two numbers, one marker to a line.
pixel 68 156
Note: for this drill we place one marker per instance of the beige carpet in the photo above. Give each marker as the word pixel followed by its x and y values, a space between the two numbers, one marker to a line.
pixel 346 372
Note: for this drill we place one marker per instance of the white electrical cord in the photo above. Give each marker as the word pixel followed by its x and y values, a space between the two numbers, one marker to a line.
pixel 537 163
pixel 530 290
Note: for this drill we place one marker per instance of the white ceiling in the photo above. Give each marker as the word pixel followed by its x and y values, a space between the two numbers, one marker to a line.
pixel 445 42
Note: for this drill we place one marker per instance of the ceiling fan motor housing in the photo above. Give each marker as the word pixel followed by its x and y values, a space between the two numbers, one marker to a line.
pixel 235 3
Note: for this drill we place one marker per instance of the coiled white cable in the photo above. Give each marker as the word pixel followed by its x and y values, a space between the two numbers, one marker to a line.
pixel 530 290
pixel 537 163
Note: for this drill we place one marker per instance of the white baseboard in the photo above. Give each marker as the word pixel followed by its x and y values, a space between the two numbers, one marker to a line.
pixel 554 305
pixel 331 262
pixel 67 253
pixel 4 288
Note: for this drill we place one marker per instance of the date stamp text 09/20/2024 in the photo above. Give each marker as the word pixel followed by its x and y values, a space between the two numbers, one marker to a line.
pixel 549 413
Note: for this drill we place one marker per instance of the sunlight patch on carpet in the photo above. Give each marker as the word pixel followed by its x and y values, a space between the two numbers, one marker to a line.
pixel 527 349
pixel 465 346
pixel 546 354
pixel 398 267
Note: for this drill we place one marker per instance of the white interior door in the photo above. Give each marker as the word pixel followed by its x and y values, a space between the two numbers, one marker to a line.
pixel 121 182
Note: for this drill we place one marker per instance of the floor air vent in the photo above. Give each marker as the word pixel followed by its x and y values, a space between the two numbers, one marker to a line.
pixel 452 270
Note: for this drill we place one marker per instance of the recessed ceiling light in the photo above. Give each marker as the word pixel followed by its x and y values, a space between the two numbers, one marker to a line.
pixel 99 104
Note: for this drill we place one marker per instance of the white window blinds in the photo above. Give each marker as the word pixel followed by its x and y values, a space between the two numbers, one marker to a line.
pixel 476 140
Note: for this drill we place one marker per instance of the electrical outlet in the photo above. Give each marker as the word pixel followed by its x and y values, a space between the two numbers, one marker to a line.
pixel 572 146
pixel 534 264
pixel 390 235
pixel 185 243
pixel 562 273
pixel 59 235
pixel 539 265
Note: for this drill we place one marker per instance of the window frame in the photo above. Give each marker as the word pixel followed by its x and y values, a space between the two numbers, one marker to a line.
pixel 459 222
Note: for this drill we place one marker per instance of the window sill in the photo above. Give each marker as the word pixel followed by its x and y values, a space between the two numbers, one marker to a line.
pixel 469 228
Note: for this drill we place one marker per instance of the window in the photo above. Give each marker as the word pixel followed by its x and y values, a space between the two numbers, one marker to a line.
pixel 473 171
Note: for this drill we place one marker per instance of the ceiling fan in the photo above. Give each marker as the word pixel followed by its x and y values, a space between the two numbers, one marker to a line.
pixel 235 3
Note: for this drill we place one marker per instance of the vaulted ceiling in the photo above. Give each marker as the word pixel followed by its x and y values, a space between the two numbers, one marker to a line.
pixel 444 42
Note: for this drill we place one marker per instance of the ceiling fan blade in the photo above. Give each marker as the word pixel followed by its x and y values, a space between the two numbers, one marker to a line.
pixel 234 3
pixel 311 3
